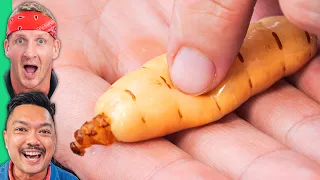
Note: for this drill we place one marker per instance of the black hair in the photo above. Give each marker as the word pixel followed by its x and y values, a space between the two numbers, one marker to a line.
pixel 34 98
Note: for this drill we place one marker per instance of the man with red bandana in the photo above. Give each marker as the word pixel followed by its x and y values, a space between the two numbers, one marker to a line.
pixel 31 45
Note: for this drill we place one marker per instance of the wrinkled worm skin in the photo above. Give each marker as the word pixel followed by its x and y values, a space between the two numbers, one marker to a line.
pixel 144 104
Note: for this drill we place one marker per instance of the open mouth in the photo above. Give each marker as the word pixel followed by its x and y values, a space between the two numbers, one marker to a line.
pixel 30 69
pixel 32 156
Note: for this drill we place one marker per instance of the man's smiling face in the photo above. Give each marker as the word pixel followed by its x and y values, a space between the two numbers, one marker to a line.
pixel 30 138
pixel 31 53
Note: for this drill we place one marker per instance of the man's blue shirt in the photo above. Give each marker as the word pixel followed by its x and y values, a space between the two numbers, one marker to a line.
pixel 56 173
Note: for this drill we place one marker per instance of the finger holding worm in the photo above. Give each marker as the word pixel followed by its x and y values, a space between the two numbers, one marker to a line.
pixel 144 104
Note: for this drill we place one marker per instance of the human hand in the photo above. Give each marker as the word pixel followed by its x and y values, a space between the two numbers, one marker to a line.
pixel 230 147
pixel 205 36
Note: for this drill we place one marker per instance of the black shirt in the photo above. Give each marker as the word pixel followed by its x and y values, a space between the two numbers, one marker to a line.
pixel 53 84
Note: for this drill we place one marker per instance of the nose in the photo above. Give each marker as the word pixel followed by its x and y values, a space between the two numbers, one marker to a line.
pixel 30 51
pixel 32 139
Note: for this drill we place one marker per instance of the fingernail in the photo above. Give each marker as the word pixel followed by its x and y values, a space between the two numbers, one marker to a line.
pixel 192 72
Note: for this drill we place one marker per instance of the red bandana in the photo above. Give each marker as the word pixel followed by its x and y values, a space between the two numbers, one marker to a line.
pixel 31 20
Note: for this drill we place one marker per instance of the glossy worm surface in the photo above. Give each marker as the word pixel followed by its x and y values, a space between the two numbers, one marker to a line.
pixel 144 103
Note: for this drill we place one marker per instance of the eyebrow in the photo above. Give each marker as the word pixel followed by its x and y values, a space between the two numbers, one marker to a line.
pixel 18 35
pixel 42 35
pixel 19 122
pixel 26 124
pixel 45 124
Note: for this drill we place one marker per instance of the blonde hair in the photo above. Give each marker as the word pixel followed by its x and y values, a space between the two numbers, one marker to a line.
pixel 32 6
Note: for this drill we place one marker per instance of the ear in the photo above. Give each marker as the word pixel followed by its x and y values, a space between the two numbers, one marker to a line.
pixel 56 48
pixel 6 47
pixel 5 138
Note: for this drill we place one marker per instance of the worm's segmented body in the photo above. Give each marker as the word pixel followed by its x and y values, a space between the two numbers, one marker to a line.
pixel 144 103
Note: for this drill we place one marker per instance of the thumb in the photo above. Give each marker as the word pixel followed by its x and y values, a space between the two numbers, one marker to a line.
pixel 204 39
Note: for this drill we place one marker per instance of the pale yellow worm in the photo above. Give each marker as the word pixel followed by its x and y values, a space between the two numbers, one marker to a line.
pixel 144 103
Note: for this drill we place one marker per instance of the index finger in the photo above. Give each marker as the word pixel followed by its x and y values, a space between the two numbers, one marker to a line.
pixel 303 13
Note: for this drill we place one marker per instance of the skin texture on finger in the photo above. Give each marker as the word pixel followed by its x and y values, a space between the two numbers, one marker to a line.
pixel 306 79
pixel 288 115
pixel 303 13
pixel 204 39
pixel 138 30
pixel 237 149
pixel 158 159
